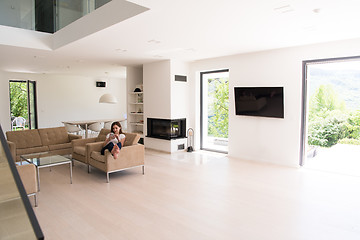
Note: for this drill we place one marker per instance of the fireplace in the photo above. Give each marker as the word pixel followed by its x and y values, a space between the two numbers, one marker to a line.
pixel 166 128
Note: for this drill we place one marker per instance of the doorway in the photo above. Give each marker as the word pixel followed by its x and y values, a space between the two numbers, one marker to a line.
pixel 214 107
pixel 331 115
pixel 23 104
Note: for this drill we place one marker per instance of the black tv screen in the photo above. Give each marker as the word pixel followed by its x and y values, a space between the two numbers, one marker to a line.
pixel 259 101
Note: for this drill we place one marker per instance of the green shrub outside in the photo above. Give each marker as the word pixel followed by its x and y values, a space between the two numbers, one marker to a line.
pixel 350 141
pixel 329 120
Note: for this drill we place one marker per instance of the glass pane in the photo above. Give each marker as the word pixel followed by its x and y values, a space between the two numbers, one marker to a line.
pixel 18 14
pixel 215 111
pixel 44 159
pixel 32 107
pixel 332 140
pixel 18 105
pixel 68 11
pixel 40 15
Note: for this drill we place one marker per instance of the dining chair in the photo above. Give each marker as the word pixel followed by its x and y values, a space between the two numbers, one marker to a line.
pixel 73 129
pixel 95 128
pixel 107 125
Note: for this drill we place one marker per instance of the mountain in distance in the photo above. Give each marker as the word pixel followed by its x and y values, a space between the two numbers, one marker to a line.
pixel 345 82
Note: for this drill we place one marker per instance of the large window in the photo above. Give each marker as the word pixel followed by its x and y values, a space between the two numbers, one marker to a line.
pixel 215 110
pixel 331 115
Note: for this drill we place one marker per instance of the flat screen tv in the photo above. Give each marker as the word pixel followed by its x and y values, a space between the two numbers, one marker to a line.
pixel 259 101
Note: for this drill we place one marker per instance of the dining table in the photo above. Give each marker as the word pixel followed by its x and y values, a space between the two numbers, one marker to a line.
pixel 85 123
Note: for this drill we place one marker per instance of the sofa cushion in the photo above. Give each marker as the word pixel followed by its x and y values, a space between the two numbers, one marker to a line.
pixel 31 150
pixel 25 138
pixel 52 136
pixel 131 139
pixel 79 150
pixel 98 157
pixel 60 146
pixel 102 135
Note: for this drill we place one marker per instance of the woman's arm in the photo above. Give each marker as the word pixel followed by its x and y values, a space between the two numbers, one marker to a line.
pixel 122 142
pixel 106 142
pixel 107 139
pixel 121 139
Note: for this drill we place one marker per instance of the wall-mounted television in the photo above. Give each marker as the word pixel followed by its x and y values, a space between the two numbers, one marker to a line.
pixel 259 101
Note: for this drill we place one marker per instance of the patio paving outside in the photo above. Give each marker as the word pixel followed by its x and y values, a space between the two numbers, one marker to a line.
pixel 217 144
pixel 340 158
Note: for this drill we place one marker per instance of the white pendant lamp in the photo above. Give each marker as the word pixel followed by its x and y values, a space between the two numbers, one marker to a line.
pixel 107 98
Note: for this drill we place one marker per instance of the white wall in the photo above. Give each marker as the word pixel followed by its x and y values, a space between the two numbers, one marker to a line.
pixel 179 91
pixel 157 98
pixel 4 104
pixel 62 97
pixel 267 139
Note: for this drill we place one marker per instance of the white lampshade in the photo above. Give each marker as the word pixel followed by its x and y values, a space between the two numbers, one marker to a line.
pixel 107 98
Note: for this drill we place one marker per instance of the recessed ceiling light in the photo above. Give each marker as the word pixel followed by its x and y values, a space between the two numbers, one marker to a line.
pixel 40 56
pixel 120 50
pixel 154 41
pixel 284 9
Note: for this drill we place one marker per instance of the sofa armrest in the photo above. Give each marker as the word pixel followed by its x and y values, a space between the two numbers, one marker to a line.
pixel 81 142
pixel 95 146
pixel 27 174
pixel 12 147
pixel 129 156
pixel 73 136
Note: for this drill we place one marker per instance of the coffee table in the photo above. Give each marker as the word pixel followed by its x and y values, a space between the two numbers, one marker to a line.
pixel 46 159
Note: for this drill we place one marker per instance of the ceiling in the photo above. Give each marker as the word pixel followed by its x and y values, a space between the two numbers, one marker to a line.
pixel 191 30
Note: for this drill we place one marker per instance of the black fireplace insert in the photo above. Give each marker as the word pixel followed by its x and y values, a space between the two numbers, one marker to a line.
pixel 166 128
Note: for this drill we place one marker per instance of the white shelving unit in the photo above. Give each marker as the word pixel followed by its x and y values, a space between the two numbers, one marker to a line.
pixel 136 113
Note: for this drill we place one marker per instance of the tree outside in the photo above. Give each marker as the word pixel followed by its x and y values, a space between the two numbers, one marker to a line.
pixel 330 122
pixel 218 107
pixel 18 99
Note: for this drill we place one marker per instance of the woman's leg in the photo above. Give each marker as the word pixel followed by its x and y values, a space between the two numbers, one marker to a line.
pixel 108 146
pixel 116 150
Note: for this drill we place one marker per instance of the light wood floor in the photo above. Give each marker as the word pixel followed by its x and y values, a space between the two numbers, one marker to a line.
pixel 199 196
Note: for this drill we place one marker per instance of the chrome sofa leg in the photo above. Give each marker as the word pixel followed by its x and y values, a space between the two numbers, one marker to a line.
pixel 89 170
pixel 35 199
pixel 143 169
pixel 107 177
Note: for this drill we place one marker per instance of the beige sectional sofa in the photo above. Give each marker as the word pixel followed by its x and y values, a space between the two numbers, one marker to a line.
pixel 131 154
pixel 54 140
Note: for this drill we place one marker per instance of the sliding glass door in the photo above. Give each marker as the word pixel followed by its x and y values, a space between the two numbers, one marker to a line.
pixel 214 110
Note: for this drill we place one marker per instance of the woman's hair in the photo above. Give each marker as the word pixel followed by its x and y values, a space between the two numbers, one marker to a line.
pixel 118 124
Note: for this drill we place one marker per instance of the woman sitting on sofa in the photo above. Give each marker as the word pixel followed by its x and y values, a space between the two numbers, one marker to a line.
pixel 114 140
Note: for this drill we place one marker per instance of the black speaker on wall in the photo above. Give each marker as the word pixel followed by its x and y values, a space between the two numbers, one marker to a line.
pixel 100 84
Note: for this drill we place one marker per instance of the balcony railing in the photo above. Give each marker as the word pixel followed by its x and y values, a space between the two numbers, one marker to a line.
pixel 45 15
